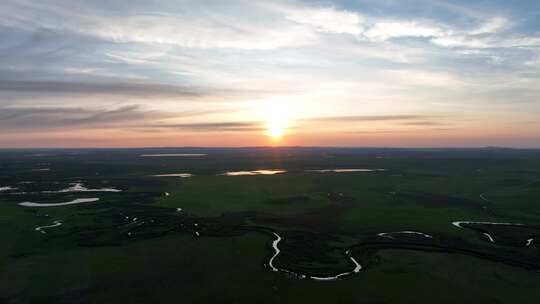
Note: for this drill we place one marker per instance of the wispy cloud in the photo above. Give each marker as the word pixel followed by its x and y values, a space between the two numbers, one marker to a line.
pixel 372 118
pixel 213 127
pixel 44 118
pixel 395 29
pixel 49 117
pixel 492 25
pixel 328 20
pixel 129 117
pixel 200 26
pixel 57 87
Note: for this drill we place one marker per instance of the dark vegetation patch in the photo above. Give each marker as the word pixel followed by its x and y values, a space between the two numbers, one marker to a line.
pixel 289 200
pixel 324 219
pixel 366 251
pixel 509 182
pixel 535 184
pixel 508 235
pixel 312 253
pixel 430 199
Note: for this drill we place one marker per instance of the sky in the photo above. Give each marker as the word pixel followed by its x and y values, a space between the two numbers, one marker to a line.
pixel 392 73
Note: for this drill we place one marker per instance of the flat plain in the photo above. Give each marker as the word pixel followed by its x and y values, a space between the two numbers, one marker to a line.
pixel 272 225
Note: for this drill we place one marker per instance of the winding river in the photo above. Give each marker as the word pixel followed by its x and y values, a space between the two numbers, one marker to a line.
pixel 487 235
pixel 277 251
pixel 78 187
pixel 459 223
pixel 490 238
pixel 41 229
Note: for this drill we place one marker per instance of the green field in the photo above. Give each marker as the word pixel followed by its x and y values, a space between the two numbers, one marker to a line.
pixel 210 238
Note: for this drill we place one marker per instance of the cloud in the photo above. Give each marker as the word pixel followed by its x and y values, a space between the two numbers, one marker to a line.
pixel 400 131
pixel 522 42
pixel 534 62
pixel 328 20
pixel 46 118
pixel 59 87
pixel 422 123
pixel 458 41
pixel 213 127
pixel 491 26
pixel 132 117
pixel 444 36
pixel 202 34
pixel 415 77
pixel 372 118
pixel 397 29
pixel 170 23
pixel 48 91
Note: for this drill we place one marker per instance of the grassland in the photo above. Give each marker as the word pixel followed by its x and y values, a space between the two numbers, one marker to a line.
pixel 208 238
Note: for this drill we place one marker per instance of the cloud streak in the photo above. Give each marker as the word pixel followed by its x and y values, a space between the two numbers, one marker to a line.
pixel 362 118
pixel 213 127
pixel 47 118
pixel 57 87
pixel 130 117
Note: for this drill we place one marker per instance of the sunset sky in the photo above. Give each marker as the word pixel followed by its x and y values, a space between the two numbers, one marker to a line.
pixel 419 73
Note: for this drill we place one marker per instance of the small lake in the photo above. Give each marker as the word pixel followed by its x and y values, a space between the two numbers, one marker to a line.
pixel 7 188
pixel 345 170
pixel 255 172
pixel 182 175
pixel 175 155
pixel 73 202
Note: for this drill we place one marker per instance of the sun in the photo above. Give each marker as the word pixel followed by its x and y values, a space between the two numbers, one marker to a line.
pixel 275 129
pixel 276 121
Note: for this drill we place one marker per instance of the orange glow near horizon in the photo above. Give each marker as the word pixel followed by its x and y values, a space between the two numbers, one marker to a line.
pixel 114 139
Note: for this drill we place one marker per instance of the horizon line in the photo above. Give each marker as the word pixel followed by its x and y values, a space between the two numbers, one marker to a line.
pixel 276 147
